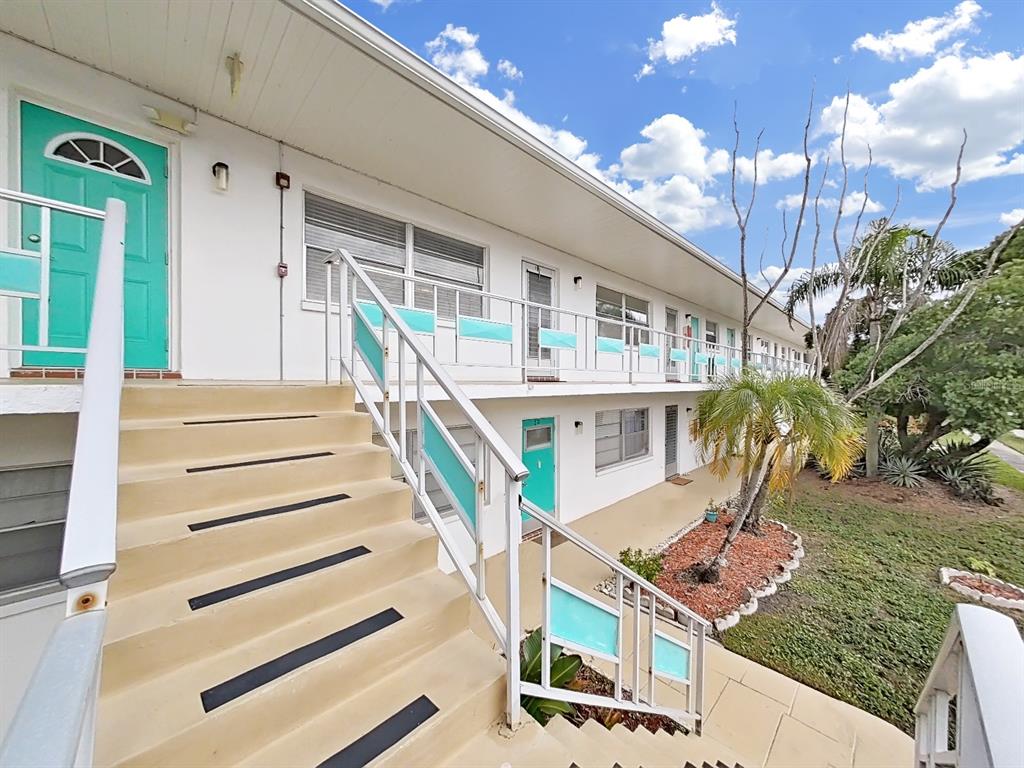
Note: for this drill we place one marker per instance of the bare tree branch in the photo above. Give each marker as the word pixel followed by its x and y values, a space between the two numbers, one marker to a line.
pixel 814 265
pixel 741 223
pixel 748 319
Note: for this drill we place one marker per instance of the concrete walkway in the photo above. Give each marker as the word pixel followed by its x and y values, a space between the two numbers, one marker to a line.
pixel 1007 454
pixel 769 720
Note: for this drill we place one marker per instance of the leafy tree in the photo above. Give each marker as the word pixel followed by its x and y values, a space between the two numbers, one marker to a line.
pixel 971 378
pixel 767 428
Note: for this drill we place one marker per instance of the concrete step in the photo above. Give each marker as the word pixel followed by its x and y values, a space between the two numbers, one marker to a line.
pixel 411 718
pixel 177 491
pixel 239 697
pixel 529 747
pixel 177 442
pixel 348 563
pixel 585 752
pixel 164 400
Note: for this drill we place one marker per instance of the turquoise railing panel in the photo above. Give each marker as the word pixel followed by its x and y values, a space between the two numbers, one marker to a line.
pixel 670 658
pixel 720 360
pixel 370 347
pixel 419 320
pixel 735 362
pixel 582 623
pixel 546 337
pixel 614 346
pixel 449 471
pixel 700 358
pixel 19 273
pixel 485 330
pixel 678 355
pixel 649 350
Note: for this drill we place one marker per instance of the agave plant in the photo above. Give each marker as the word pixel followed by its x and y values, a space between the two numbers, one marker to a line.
pixel 903 472
pixel 563 672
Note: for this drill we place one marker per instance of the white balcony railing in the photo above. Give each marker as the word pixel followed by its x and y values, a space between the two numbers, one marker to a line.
pixel 971 711
pixel 381 333
pixel 483 336
pixel 54 723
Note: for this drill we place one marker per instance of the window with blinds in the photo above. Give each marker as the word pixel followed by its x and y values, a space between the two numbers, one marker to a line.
pixel 381 242
pixel 616 305
pixel 373 240
pixel 621 436
pixel 447 260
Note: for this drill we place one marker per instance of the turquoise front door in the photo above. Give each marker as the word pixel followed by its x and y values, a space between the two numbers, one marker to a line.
pixel 74 161
pixel 539 458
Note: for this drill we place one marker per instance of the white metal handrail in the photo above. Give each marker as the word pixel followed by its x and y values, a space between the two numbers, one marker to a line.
pixel 643 594
pixel 54 723
pixel 971 709
pixel 43 238
pixel 645 350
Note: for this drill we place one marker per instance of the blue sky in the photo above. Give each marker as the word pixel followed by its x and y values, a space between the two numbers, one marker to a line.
pixel 642 95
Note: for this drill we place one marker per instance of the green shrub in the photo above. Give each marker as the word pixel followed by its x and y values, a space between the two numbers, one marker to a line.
pixel 969 477
pixel 563 671
pixel 647 565
pixel 903 472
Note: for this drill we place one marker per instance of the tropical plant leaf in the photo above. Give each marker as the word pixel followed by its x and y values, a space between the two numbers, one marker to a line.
pixel 564 669
pixel 529 668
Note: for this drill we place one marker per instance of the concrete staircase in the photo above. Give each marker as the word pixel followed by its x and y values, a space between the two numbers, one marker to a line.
pixel 274 604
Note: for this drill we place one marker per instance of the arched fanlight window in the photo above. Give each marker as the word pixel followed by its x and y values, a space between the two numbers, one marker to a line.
pixel 98 153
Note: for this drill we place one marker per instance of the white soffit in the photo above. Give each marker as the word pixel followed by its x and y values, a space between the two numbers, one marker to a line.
pixel 321 79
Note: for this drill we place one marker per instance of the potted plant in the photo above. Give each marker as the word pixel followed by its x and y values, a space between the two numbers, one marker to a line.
pixel 711 512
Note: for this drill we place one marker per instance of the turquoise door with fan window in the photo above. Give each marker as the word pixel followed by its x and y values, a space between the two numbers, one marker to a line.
pixel 76 161
pixel 539 458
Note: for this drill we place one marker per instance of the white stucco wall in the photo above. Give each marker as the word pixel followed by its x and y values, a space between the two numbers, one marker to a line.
pixel 226 314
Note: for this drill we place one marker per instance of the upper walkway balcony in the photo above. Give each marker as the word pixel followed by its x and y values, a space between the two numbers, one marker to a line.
pixel 490 342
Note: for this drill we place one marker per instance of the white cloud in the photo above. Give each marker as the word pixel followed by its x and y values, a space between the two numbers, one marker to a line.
pixel 674 146
pixel 917 131
pixel 681 203
pixel 384 4
pixel 851 204
pixel 770 167
pixel 683 36
pixel 822 304
pixel 510 70
pixel 922 37
pixel 454 52
pixel 1011 217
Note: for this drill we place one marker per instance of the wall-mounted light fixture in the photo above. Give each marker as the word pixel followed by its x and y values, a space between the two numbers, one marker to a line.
pixel 578 424
pixel 221 173
pixel 578 281
pixel 687 315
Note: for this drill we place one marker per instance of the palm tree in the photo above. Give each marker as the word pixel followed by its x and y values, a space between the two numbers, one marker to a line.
pixel 889 268
pixel 767 429
pixel 881 266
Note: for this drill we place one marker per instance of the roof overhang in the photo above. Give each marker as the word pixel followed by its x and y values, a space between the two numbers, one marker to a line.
pixel 321 79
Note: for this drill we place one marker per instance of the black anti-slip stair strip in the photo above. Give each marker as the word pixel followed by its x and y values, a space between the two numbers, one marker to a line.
pixel 257 462
pixel 370 745
pixel 227 593
pixel 265 673
pixel 268 512
pixel 243 420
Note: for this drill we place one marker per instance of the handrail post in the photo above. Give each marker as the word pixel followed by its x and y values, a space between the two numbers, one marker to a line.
pixel 513 620
pixel 327 321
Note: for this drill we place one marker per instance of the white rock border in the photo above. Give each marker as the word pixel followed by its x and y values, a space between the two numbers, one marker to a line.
pixel 607 587
pixel 946 576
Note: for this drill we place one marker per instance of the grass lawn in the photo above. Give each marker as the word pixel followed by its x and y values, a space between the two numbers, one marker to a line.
pixel 864 615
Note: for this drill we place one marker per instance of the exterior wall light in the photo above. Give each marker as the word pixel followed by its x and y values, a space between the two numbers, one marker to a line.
pixel 578 281
pixel 220 173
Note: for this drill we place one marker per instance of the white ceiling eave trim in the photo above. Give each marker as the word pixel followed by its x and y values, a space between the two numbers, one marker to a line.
pixel 358 32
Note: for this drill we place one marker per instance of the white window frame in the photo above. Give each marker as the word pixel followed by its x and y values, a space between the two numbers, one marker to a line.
pixel 623 459
pixel 645 335
pixel 409 270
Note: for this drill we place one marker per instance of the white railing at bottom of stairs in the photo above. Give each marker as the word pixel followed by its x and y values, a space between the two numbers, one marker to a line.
pixel 382 341
pixel 971 710
pixel 54 722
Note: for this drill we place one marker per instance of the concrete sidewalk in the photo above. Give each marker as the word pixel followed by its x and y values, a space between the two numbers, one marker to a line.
pixel 766 718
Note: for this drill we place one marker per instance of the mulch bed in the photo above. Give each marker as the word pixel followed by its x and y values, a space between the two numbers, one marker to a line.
pixel 988 588
pixel 753 558
pixel 589 680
